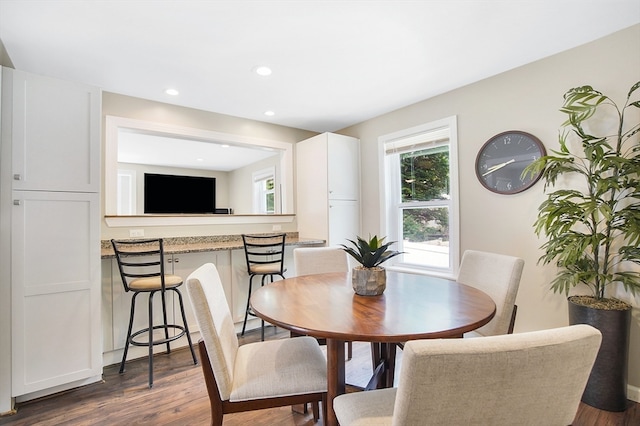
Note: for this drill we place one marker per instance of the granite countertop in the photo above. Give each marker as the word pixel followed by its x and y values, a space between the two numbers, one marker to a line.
pixel 208 243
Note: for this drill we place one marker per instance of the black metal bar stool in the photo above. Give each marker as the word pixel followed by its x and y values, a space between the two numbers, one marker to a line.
pixel 141 265
pixel 265 257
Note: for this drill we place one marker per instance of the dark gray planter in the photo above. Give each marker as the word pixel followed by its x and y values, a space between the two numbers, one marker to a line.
pixel 607 385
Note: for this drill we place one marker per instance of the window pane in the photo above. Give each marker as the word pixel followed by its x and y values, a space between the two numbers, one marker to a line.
pixel 426 236
pixel 270 203
pixel 425 175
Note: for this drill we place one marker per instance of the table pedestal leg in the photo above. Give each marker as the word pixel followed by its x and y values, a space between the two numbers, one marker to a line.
pixel 335 377
pixel 383 357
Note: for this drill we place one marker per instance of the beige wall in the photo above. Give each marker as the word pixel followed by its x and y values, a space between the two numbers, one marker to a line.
pixel 526 98
pixel 141 109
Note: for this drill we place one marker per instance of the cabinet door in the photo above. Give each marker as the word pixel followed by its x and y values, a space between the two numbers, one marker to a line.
pixel 55 129
pixel 344 221
pixel 343 167
pixel 55 274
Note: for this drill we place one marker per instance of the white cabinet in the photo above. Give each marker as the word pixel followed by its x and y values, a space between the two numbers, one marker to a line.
pixel 51 132
pixel 55 300
pixel 55 133
pixel 328 188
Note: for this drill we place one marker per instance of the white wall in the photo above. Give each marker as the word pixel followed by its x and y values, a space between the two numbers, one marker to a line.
pixel 142 109
pixel 242 200
pixel 526 98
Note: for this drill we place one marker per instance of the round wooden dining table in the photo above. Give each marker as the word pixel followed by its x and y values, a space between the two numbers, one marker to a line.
pixel 412 307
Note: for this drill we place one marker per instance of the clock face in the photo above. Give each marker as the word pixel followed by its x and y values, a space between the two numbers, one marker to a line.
pixel 502 159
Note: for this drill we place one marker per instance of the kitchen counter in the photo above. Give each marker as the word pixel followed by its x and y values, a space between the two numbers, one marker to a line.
pixel 173 245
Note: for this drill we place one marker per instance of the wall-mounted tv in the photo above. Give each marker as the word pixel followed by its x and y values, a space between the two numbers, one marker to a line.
pixel 173 194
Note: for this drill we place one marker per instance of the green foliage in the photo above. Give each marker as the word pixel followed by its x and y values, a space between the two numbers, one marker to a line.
pixel 593 232
pixel 424 175
pixel 370 253
pixel 423 224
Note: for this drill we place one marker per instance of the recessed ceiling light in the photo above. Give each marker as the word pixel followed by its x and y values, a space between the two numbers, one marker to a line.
pixel 263 71
pixel 225 146
pixel 269 113
pixel 172 92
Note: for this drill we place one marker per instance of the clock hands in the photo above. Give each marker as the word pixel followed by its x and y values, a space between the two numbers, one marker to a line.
pixel 498 167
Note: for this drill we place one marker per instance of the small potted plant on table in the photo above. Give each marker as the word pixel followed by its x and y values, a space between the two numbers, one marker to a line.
pixel 369 278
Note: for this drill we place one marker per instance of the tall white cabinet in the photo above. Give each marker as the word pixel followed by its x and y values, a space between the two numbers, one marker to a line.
pixel 328 188
pixel 50 205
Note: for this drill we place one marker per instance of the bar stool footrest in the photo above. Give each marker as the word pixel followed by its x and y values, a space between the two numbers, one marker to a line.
pixel 162 341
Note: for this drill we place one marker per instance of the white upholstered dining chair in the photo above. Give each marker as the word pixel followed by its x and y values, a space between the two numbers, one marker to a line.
pixel 318 260
pixel 497 275
pixel 256 375
pixel 534 378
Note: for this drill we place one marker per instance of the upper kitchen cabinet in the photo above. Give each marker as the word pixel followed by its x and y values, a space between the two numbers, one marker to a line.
pixel 328 188
pixel 55 129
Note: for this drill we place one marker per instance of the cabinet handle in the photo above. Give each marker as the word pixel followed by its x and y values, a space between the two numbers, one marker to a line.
pixel 176 260
pixel 16 202
pixel 17 176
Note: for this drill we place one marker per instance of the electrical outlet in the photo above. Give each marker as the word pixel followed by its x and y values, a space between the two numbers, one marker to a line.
pixel 136 232
pixel 277 228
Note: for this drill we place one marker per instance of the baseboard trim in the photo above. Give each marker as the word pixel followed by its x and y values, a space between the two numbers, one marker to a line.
pixel 633 393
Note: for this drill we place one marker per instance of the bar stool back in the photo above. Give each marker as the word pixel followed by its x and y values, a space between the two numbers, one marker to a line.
pixel 265 257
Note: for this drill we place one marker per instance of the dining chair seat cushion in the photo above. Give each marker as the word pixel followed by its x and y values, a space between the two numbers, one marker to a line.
pixel 266 268
pixel 279 368
pixel 366 408
pixel 154 283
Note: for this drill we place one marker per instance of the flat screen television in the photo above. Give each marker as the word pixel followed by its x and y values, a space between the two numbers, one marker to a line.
pixel 173 194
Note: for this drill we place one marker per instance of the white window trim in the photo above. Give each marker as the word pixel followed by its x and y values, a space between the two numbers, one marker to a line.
pixel 131 174
pixel 386 196
pixel 258 176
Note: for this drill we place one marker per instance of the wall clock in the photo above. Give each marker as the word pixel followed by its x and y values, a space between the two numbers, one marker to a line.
pixel 502 159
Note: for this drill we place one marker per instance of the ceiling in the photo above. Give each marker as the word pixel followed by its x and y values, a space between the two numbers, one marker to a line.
pixel 335 63
pixel 187 153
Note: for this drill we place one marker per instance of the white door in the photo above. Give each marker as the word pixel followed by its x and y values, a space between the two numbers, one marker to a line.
pixel 56 320
pixel 344 221
pixel 343 167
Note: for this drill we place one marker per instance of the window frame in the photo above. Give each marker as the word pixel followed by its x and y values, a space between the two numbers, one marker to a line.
pixel 259 194
pixel 391 223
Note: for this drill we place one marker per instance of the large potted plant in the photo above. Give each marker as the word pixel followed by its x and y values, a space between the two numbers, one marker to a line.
pixel 591 220
pixel 369 278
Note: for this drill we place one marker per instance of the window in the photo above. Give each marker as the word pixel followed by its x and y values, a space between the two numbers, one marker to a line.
pixel 126 203
pixel 421 196
pixel 264 191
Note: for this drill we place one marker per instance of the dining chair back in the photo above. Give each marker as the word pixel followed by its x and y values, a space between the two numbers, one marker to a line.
pixel 319 260
pixel 497 275
pixel 264 255
pixel 515 379
pixel 256 375
pixel 141 266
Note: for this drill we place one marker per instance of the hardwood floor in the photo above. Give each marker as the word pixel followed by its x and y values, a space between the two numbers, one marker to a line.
pixel 179 398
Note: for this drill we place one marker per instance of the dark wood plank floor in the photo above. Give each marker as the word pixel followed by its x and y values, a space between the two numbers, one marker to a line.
pixel 179 397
